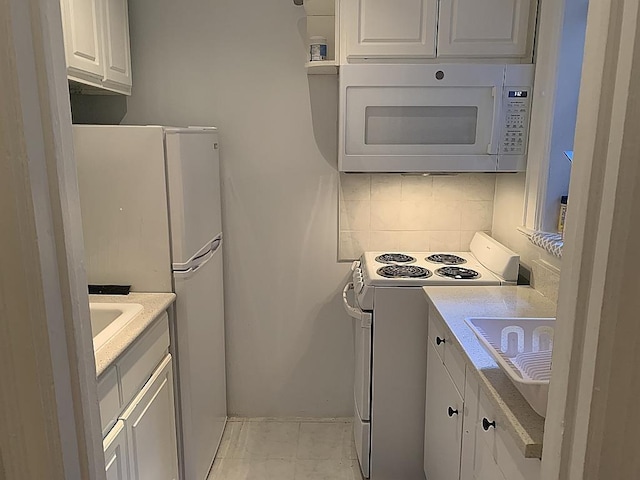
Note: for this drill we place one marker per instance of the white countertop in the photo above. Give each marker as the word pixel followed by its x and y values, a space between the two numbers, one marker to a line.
pixel 454 304
pixel 153 305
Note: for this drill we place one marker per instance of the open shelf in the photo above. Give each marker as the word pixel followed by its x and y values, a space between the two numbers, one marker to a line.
pixel 324 67
pixel 321 21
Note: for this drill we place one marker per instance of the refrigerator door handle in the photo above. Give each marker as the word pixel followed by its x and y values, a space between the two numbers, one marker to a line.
pixel 200 261
pixel 200 257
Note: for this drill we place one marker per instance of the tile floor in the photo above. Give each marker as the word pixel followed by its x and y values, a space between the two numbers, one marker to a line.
pixel 258 449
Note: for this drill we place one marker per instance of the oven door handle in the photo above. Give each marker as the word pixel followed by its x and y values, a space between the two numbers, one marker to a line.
pixel 354 312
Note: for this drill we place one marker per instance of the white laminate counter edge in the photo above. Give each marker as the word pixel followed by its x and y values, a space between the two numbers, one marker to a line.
pixel 454 304
pixel 154 304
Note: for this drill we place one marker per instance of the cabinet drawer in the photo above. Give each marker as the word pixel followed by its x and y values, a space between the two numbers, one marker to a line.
pixel 456 366
pixel 511 461
pixel 447 351
pixel 137 365
pixel 109 398
pixel 436 333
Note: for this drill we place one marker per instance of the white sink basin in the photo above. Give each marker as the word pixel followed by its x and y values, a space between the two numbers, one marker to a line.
pixel 522 347
pixel 107 319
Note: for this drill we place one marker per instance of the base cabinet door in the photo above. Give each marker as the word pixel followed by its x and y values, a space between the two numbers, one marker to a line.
pixel 486 467
pixel 483 28
pixel 151 430
pixel 381 28
pixel 116 453
pixel 443 422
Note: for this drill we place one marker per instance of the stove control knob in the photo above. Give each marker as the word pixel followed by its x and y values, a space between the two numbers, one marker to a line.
pixel 358 286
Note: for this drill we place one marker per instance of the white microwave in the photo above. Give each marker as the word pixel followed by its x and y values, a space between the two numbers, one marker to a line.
pixel 434 118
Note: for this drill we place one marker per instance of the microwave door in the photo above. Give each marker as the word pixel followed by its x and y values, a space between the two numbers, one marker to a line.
pixel 420 120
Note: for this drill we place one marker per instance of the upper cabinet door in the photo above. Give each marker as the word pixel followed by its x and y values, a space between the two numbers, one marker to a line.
pixel 383 28
pixel 83 38
pixel 484 28
pixel 116 44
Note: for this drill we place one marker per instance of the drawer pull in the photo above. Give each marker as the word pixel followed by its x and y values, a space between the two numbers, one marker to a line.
pixel 439 341
pixel 486 424
pixel 452 412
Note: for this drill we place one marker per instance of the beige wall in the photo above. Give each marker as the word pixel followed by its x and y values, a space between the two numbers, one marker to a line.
pixel 507 217
pixel 239 65
pixel 413 213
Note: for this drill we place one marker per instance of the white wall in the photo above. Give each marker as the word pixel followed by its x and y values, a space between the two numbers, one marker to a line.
pixel 239 65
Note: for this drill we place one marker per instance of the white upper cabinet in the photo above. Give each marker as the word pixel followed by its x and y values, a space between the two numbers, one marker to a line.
pixel 383 28
pixel 96 38
pixel 82 28
pixel 117 55
pixel 484 28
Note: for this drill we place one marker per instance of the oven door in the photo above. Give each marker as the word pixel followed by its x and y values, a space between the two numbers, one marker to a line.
pixel 362 344
pixel 420 117
pixel 362 379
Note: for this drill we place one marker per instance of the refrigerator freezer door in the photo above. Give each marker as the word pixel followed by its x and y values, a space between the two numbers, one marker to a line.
pixel 199 331
pixel 193 177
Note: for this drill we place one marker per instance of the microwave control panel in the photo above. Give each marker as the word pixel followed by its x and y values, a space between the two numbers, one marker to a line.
pixel 515 125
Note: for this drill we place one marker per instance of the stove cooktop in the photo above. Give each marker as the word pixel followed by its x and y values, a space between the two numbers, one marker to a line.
pixel 425 268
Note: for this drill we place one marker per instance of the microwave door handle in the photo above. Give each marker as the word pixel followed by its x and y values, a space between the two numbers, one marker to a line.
pixel 363 317
pixel 499 118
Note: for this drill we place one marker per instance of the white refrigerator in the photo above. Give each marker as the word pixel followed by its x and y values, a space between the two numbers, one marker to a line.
pixel 150 200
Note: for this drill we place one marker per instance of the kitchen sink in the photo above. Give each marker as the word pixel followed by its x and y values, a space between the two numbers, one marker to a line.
pixel 522 347
pixel 107 319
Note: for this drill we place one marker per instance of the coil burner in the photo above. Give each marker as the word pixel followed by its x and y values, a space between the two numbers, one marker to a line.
pixel 446 259
pixel 458 273
pixel 392 258
pixel 404 271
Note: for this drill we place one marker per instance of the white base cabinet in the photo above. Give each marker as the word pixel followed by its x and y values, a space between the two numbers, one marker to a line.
pixel 443 421
pixel 116 453
pixel 96 43
pixel 464 439
pixel 151 429
pixel 138 410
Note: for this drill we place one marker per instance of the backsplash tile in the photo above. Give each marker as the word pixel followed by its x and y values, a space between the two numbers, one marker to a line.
pixel 546 279
pixel 385 187
pixel 445 241
pixel 412 212
pixel 355 187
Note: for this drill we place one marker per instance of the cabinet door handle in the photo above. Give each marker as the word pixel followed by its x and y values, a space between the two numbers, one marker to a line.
pixel 452 412
pixel 486 424
pixel 439 341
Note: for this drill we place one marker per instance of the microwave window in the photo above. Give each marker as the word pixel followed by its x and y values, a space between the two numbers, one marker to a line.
pixel 421 125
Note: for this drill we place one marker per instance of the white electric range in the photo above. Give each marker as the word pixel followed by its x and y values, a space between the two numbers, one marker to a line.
pixel 391 317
